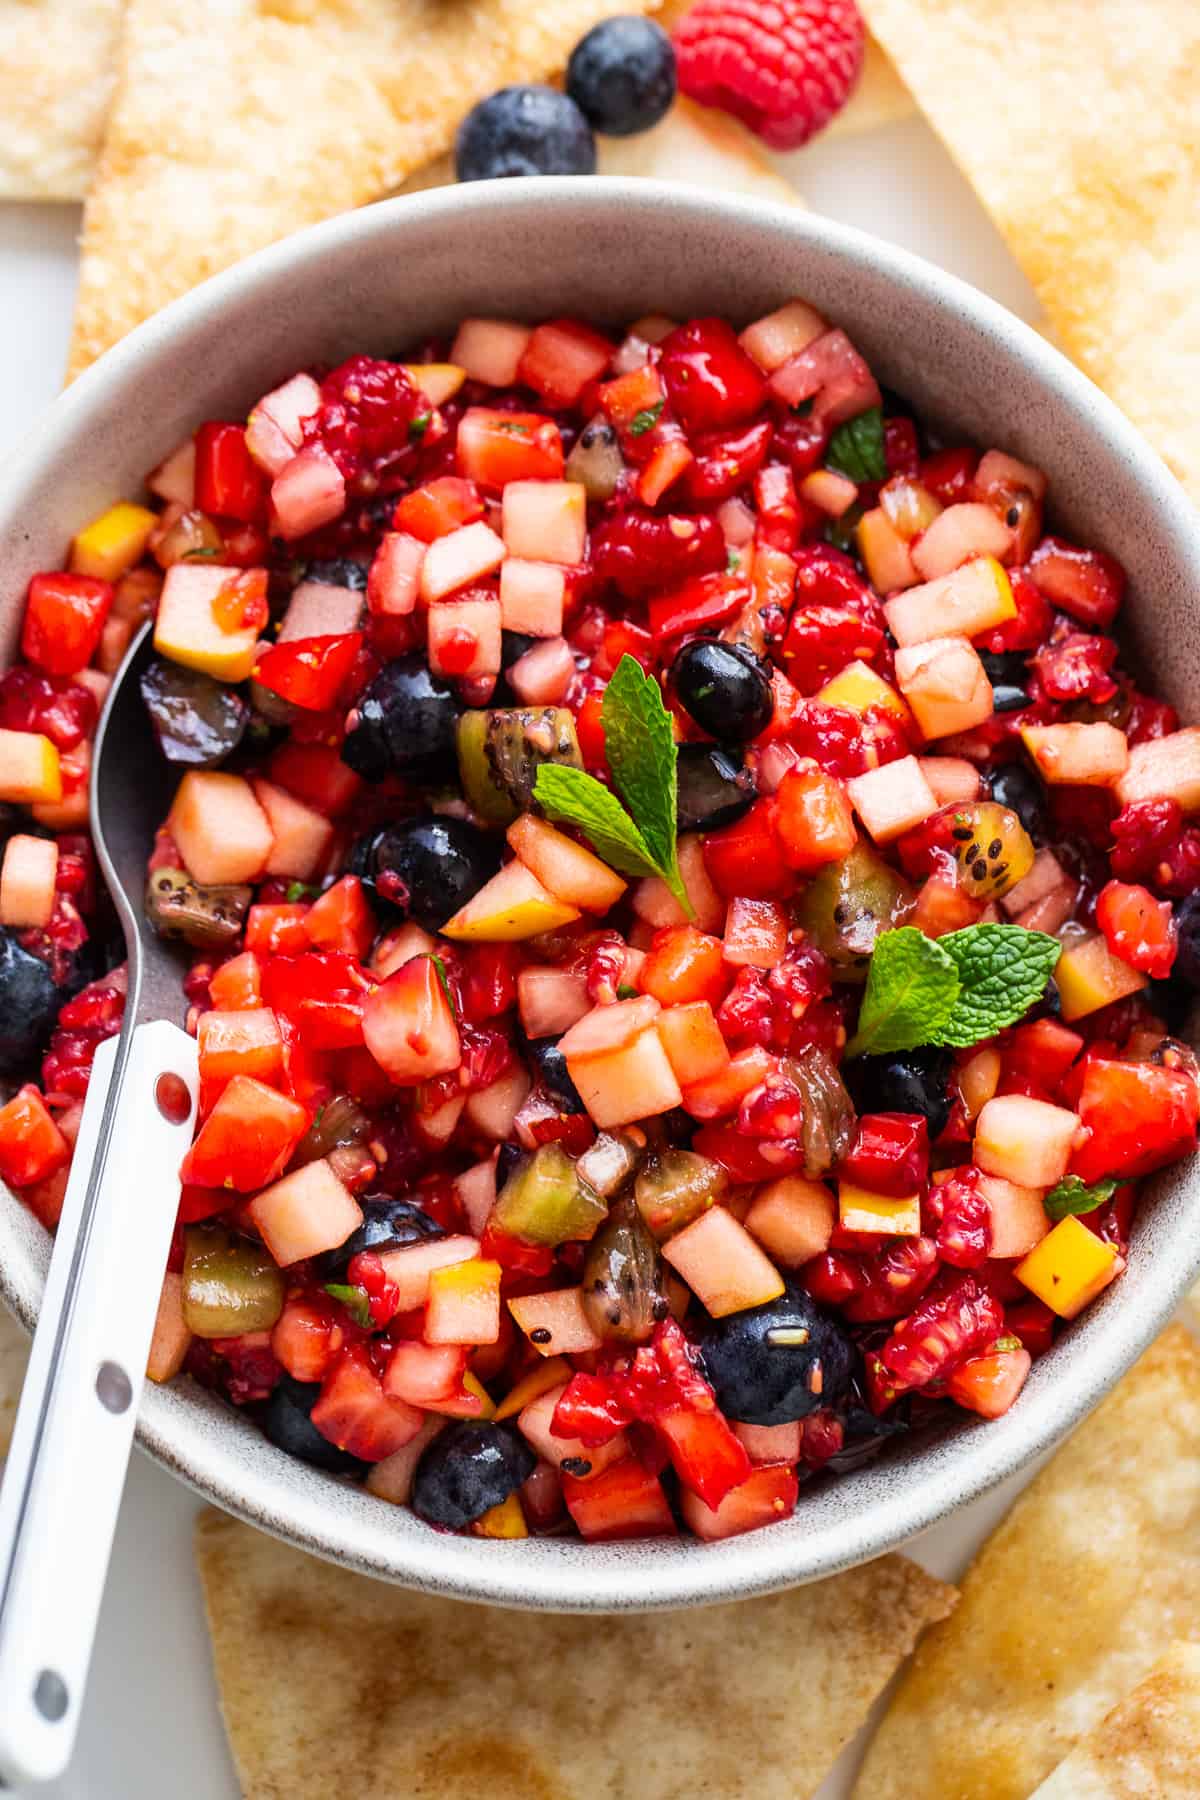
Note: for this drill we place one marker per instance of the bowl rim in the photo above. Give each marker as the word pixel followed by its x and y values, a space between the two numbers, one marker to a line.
pixel 561 1574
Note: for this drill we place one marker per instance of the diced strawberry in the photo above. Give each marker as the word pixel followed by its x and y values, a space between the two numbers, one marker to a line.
pixel 32 1147
pixel 1138 928
pixel 354 1413
pixel 1088 584
pixel 625 1501
pixel 712 383
pixel 990 1383
pixel 1138 1116
pixel 310 672
pixel 747 857
pixel 228 481
pixel 64 617
pixel 248 1138
pixel 889 1155
pixel 768 1494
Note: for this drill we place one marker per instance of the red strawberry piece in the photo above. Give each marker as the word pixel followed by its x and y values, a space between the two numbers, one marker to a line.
pixel 784 67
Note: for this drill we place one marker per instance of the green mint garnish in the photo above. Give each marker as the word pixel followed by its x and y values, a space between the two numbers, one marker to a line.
pixel 355 1300
pixel 911 985
pixel 1008 1342
pixel 299 890
pixel 1003 971
pixel 856 448
pixel 513 427
pixel 954 990
pixel 843 533
pixel 1073 1195
pixel 207 551
pixel 444 980
pixel 640 745
pixel 733 562
pixel 625 992
pixel 420 425
pixel 646 420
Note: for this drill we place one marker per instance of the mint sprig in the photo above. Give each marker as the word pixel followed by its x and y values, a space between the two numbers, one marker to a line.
pixel 952 991
pixel 639 837
pixel 356 1301
pixel 857 449
pixel 1072 1195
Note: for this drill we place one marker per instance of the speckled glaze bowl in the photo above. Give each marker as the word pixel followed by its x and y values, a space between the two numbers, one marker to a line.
pixel 378 279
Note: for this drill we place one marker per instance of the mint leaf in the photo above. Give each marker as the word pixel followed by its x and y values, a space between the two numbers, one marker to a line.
pixel 912 987
pixel 575 798
pixel 856 448
pixel 646 420
pixel 443 981
pixel 1003 971
pixel 1073 1195
pixel 299 890
pixel 355 1300
pixel 639 741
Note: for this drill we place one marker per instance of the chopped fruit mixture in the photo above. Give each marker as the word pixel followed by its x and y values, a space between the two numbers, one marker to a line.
pixel 685 913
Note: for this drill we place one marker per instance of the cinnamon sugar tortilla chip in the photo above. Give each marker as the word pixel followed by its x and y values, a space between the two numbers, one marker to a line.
pixel 1078 124
pixel 233 126
pixel 1148 1747
pixel 14 1355
pixel 57 67
pixel 332 1684
pixel 1093 1573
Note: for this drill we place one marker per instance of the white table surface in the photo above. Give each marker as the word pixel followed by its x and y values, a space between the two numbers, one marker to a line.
pixel 151 1723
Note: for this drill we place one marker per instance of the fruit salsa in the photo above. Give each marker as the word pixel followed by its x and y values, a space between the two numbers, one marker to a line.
pixel 688 916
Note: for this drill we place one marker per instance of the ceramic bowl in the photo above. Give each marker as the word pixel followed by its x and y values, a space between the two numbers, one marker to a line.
pixel 610 250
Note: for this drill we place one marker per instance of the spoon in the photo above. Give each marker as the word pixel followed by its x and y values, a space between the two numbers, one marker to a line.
pixel 74 1428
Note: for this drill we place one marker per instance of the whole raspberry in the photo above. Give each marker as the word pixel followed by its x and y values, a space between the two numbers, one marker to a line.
pixel 784 67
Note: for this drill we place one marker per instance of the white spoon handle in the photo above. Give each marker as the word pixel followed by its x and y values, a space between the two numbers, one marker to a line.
pixel 74 1429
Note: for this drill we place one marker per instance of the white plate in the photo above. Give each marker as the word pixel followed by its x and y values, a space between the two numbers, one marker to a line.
pixel 151 1722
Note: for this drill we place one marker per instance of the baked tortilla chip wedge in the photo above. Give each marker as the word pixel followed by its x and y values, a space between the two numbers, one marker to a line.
pixel 58 62
pixel 1148 1747
pixel 14 1354
pixel 332 1684
pixel 1077 123
pixel 232 130
pixel 1094 1571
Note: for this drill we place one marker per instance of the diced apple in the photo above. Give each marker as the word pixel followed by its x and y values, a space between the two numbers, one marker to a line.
pixel 397 947
pixel 27 877
pixel 1026 1141
pixel 409 1026
pixel 859 686
pixel 1164 769
pixel 1088 976
pixel 561 1315
pixel 461 557
pixel 859 1209
pixel 308 492
pixel 892 799
pixel 1069 1267
pixel 543 675
pixel 115 638
pixel 300 837
pixel 606 1028
pixel 1046 874
pixel 438 382
pixel 69 774
pixel 111 544
pixel 550 1001
pixel 886 556
pixel 634 1082
pixel 545 521
pixel 475 1190
pixel 964 603
pixel 464 1303
pixel 464 636
pixel 978 1080
pixel 945 684
pixel 304 1214
pixel 721 1263
pixel 425 1374
pixel 1017 1216
pixel 999 470
pixel 781 334
pixel 172 1339
pixel 490 350
pixel 531 595
pixel 275 429
pixel 186 629
pixel 319 609
pixel 221 831
pixel 437 1128
pixel 494 1108
pixel 1051 912
pixel 174 480
pixel 771 1443
pixel 956 536
pixel 767 1495
pixel 512 905
pixel 409 1269
pixel 692 1039
pixel 566 869
pixel 792 1219
pixel 829 492
pixel 534 1423
pixel 952 780
pixel 1081 755
pixel 392 1478
pixel 395 576
pixel 654 902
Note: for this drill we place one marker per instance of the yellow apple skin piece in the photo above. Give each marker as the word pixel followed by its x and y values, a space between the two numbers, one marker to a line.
pixel 1069 1267
pixel 186 629
pixel 511 906
pixel 111 544
pixel 1089 976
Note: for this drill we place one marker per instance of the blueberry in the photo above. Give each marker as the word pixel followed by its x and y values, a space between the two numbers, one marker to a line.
pixel 406 723
pixel 863 1436
pixel 725 689
pixel 712 787
pixel 910 1081
pixel 777 1362
pixel 551 1066
pixel 1007 670
pixel 510 1155
pixel 289 1427
pixel 1018 788
pixel 441 863
pixel 469 1467
pixel 531 130
pixel 513 645
pixel 388 1224
pixel 1187 957
pixel 337 571
pixel 29 1003
pixel 621 76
